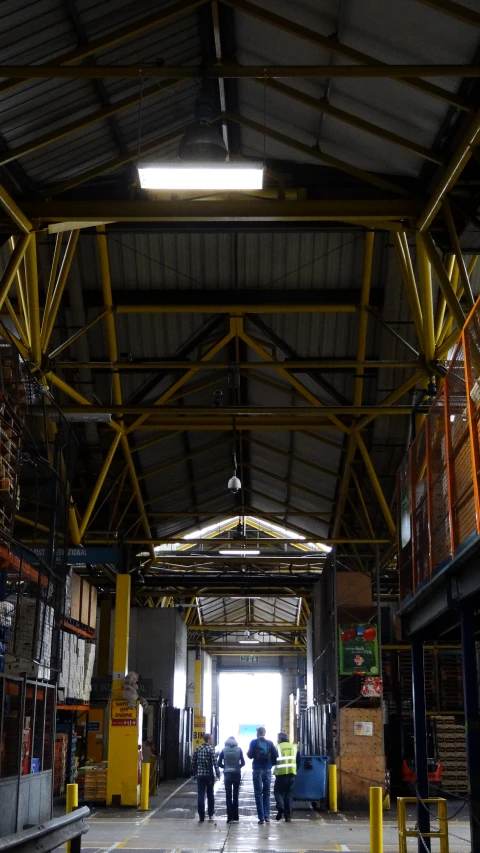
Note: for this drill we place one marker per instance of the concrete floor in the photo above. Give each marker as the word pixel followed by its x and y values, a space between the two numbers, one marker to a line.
pixel 171 826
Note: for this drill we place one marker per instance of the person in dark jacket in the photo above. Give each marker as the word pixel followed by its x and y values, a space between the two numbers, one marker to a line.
pixel 231 761
pixel 205 768
pixel 264 756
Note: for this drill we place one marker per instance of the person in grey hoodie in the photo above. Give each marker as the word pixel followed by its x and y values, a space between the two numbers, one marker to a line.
pixel 231 761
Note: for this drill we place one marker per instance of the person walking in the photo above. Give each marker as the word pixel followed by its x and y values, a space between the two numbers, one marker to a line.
pixel 264 755
pixel 231 761
pixel 285 772
pixel 205 768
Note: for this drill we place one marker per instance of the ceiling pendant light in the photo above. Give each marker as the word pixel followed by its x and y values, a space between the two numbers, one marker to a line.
pixel 203 154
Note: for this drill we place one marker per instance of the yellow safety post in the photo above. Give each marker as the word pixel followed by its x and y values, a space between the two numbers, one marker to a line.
pixel 145 789
pixel 72 803
pixel 441 833
pixel 332 788
pixel 376 820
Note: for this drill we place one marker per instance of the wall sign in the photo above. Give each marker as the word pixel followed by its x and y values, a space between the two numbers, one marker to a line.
pixel 363 729
pixel 122 715
pixel 198 731
pixel 358 647
pixel 248 658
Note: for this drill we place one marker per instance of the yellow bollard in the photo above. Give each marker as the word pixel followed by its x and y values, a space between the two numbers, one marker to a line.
pixel 145 787
pixel 72 803
pixel 332 788
pixel 376 820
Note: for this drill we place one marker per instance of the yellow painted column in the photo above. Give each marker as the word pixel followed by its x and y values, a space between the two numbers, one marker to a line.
pixel 332 788
pixel 376 820
pixel 71 804
pixel 198 718
pixel 125 724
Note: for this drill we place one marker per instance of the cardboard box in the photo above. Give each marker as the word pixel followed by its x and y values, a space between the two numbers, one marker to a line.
pixel 76 596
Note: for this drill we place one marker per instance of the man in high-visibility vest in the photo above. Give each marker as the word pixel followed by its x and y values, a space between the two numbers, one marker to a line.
pixel 285 772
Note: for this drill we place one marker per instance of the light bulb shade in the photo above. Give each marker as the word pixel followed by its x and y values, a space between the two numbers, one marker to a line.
pixel 203 143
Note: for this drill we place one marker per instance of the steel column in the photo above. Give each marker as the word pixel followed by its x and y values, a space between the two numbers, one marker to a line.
pixel 426 300
pixel 420 733
pixel 472 720
pixel 31 273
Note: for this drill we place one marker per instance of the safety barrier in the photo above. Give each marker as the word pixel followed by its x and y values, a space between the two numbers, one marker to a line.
pixel 49 835
pixel 438 485
pixel 404 833
pixel 145 786
pixel 376 820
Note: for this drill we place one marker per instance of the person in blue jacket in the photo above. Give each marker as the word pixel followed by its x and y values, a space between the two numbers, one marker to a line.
pixel 264 757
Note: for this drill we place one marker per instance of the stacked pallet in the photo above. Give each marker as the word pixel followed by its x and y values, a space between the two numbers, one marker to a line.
pixel 60 764
pixel 452 755
pixel 451 680
pixel 92 782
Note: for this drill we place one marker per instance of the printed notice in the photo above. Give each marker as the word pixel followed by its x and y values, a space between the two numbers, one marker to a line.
pixel 122 715
pixel 363 729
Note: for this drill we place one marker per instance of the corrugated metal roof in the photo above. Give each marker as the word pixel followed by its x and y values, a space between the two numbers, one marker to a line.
pixel 390 32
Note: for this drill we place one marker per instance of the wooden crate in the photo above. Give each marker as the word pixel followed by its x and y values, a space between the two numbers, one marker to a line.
pixel 355 744
pixel 355 776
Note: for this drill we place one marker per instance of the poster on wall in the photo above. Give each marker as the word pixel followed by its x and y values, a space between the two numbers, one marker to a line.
pixel 358 648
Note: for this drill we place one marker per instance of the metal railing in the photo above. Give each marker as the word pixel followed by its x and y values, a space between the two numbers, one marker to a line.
pixel 404 833
pixel 49 835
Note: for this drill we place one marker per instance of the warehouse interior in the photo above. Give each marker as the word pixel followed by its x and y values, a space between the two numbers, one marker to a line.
pixel 239 443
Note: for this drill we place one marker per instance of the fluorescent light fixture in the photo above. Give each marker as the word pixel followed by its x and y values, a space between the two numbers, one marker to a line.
pixel 239 552
pixel 250 642
pixel 197 176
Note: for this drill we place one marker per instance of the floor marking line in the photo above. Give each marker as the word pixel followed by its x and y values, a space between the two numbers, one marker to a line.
pixel 150 814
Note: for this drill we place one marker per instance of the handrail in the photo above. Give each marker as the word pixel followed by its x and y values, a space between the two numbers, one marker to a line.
pixel 49 835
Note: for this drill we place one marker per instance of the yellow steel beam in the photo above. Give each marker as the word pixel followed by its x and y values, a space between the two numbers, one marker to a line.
pixel 13 212
pixel 426 298
pixel 315 556
pixel 406 267
pixel 454 10
pixel 451 173
pixel 311 398
pixel 234 308
pixel 211 353
pixel 197 413
pixel 238 209
pixel 467 288
pixel 53 276
pixel 291 364
pixel 376 484
pixel 51 315
pixel 453 274
pixel 31 274
pixel 21 289
pixel 425 242
pixel 318 154
pixel 358 387
pixel 447 328
pixel 336 47
pixel 134 27
pixel 13 264
pixel 116 385
pixel 395 395
pixel 71 340
pixel 98 485
pixel 20 331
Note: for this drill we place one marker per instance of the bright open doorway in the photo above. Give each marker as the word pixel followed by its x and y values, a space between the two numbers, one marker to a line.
pixel 248 700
